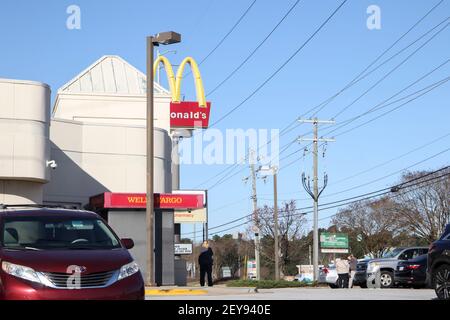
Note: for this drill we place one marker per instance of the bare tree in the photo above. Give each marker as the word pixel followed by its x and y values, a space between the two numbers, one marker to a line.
pixel 374 220
pixel 423 207
pixel 291 226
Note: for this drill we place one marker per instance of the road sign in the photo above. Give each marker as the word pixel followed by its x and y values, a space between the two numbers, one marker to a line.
pixel 334 250
pixel 333 242
pixel 190 216
pixel 183 248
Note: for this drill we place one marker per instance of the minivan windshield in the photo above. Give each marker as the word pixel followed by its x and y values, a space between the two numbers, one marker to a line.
pixel 50 232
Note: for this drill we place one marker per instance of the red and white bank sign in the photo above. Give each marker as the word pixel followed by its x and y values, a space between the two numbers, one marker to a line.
pixel 189 115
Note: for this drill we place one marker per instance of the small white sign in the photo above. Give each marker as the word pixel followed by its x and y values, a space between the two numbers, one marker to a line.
pixel 334 250
pixel 183 248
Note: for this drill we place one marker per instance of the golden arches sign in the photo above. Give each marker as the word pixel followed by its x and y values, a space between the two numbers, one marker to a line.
pixel 175 82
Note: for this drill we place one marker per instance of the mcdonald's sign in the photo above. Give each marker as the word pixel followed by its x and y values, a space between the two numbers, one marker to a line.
pixel 185 114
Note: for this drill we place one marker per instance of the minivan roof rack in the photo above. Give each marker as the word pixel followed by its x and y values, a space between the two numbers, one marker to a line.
pixel 6 206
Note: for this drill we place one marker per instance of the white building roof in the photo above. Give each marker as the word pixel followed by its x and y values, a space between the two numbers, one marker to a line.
pixel 110 75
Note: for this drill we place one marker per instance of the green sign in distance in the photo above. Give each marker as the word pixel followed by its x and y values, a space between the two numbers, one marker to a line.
pixel 334 240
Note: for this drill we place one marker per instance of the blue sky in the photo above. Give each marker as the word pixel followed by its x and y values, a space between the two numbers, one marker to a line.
pixel 37 46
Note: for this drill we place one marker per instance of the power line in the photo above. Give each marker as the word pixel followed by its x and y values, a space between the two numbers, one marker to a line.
pixel 228 33
pixel 280 67
pixel 392 160
pixel 381 164
pixel 232 73
pixel 358 78
pixel 433 86
pixel 410 190
pixel 380 105
pixel 419 92
pixel 389 175
pixel 363 74
pixel 365 195
pixel 390 72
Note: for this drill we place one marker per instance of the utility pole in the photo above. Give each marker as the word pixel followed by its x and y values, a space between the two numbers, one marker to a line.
pixel 275 218
pixel 315 193
pixel 255 215
pixel 252 160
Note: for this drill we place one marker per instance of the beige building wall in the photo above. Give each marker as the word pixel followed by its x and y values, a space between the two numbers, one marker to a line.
pixel 98 134
pixel 24 140
pixel 96 158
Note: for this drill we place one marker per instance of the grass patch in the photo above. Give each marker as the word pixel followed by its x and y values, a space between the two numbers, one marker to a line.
pixel 269 284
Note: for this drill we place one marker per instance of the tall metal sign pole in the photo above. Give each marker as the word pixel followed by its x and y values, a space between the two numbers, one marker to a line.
pixel 161 38
pixel 315 193
pixel 149 277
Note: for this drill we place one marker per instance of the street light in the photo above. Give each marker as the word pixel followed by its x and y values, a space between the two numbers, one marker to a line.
pixel 273 170
pixel 164 38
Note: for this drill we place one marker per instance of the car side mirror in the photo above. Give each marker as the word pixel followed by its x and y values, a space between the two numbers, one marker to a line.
pixel 127 243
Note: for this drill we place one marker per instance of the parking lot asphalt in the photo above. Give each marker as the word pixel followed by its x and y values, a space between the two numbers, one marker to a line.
pixel 225 293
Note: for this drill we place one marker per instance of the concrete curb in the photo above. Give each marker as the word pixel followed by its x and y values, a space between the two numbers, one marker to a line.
pixel 174 292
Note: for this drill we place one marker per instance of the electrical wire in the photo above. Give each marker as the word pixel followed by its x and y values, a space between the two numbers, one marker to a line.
pixel 364 196
pixel 232 73
pixel 229 32
pixel 372 195
pixel 281 67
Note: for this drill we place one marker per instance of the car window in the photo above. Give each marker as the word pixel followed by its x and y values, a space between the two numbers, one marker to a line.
pixel 392 253
pixel 409 254
pixel 423 251
pixel 42 232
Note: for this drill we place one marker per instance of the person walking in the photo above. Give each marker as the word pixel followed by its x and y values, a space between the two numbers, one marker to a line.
pixel 205 261
pixel 343 270
pixel 352 261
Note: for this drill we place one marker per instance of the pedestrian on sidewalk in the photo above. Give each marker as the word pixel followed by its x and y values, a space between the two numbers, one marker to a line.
pixel 205 261
pixel 352 262
pixel 343 270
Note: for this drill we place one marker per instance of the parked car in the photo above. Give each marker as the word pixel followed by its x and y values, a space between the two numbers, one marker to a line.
pixel 412 272
pixel 438 270
pixel 387 264
pixel 49 253
pixel 329 276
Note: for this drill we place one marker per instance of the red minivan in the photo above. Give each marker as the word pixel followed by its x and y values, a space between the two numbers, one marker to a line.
pixel 51 253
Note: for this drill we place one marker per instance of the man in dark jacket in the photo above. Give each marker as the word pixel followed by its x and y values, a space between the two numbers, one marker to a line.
pixel 205 261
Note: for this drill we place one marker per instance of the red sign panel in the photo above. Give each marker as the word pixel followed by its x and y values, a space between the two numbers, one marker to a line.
pixel 188 114
pixel 139 201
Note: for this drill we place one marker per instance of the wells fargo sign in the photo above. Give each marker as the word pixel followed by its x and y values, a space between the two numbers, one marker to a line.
pixel 109 200
pixel 185 114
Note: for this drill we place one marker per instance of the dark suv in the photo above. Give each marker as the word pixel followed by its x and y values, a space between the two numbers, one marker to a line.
pixel 387 264
pixel 438 271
